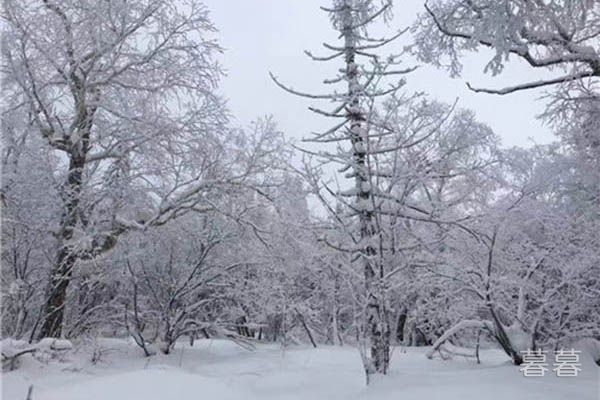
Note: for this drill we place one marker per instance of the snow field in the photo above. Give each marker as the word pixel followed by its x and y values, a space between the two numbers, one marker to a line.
pixel 220 370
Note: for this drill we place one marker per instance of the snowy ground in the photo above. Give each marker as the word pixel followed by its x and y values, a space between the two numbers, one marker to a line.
pixel 215 370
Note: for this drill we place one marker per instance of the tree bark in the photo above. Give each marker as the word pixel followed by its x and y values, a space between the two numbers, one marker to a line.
pixel 57 292
pixel 308 332
pixel 377 324
pixel 60 276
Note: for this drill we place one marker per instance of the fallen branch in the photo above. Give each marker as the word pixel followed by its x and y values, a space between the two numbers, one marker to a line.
pixel 465 324
pixel 10 361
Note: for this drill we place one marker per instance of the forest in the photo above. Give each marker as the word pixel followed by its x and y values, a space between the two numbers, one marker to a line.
pixel 152 240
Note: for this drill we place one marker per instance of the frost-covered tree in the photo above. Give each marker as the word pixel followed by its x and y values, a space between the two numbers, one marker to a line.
pixel 275 297
pixel 123 94
pixel 443 165
pixel 234 272
pixel 27 210
pixel 525 274
pixel 558 185
pixel 176 279
pixel 419 168
pixel 553 35
pixel 352 132
pixel 557 38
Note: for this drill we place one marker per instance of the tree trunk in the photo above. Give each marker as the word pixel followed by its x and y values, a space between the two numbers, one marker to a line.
pixel 504 340
pixel 499 332
pixel 400 322
pixel 60 277
pixel 55 303
pixel 377 324
pixel 305 326
pixel 336 337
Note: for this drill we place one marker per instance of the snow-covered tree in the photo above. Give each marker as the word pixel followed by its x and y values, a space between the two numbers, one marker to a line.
pixel 556 38
pixel 352 132
pixel 123 93
pixel 27 211
pixel 525 275
pixel 558 185
pixel 419 168
pixel 554 35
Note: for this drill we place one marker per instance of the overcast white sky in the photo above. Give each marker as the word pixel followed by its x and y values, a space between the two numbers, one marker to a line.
pixel 270 35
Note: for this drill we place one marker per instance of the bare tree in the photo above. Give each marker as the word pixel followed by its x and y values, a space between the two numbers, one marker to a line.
pixel 123 95
pixel 558 35
pixel 352 112
pixel 524 275
pixel 548 36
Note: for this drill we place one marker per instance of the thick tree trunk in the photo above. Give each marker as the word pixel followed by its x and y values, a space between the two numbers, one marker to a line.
pixel 54 308
pixel 60 277
pixel 503 339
